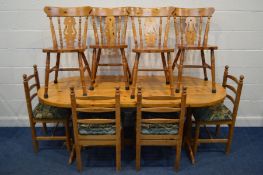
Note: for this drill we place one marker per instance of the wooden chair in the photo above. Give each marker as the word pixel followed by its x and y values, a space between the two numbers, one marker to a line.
pixel 44 114
pixel 219 114
pixel 112 24
pixel 148 23
pixel 70 27
pixel 160 122
pixel 102 130
pixel 191 30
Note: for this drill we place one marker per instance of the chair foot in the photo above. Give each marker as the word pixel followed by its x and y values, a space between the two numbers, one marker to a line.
pixel 177 90
pixel 127 88
pixel 213 90
pixel 46 95
pixel 206 79
pixel 132 96
pixel 91 88
pixel 55 81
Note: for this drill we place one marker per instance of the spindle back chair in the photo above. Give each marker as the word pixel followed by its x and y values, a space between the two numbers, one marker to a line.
pixel 68 26
pixel 109 26
pixel 191 32
pixel 151 27
pixel 43 110
pixel 163 126
pixel 220 114
pixel 96 131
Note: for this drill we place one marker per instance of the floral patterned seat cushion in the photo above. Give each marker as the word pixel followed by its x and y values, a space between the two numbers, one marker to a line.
pixel 97 129
pixel 42 111
pixel 159 128
pixel 214 113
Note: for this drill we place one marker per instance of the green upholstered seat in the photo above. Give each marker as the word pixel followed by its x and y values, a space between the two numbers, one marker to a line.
pixel 42 111
pixel 159 128
pixel 213 113
pixel 97 129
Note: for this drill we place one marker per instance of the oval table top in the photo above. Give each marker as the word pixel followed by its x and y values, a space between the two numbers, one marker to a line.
pixel 198 91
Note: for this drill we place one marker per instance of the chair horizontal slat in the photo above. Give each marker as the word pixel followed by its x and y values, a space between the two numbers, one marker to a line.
pixel 158 137
pixel 67 11
pixel 96 137
pixel 161 109
pixel 230 98
pixel 160 120
pixel 157 105
pixel 33 96
pixel 95 110
pixel 95 98
pixel 161 98
pixel 192 12
pixel 32 86
pixel 96 121
pixel 51 137
pixel 30 77
pixel 159 142
pixel 231 88
pixel 97 142
pixel 212 140
pixel 118 11
pixel 233 78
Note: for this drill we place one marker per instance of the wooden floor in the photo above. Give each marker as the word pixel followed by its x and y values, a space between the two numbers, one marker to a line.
pixel 198 91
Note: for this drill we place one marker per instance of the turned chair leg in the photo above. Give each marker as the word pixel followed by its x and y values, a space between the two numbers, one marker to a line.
pixel 134 76
pixel 230 138
pixel 165 69
pixel 57 68
pixel 125 66
pixel 178 156
pixel 217 130
pixel 67 133
pixel 97 64
pixel 45 128
pixel 82 78
pixel 47 71
pixel 180 72
pixel 170 73
pixel 86 63
pixel 78 157
pixel 176 58
pixel 34 139
pixel 138 156
pixel 204 64
pixel 213 71
pixel 94 65
pixel 118 155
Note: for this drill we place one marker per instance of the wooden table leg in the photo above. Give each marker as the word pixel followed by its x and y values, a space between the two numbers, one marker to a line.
pixel 188 135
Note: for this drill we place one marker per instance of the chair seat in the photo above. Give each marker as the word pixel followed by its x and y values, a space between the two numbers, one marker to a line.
pixel 159 128
pixel 62 50
pixel 153 50
pixel 214 113
pixel 42 111
pixel 97 129
pixel 103 46
pixel 196 47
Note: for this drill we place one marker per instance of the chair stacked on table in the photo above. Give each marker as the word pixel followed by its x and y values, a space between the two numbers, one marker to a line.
pixel 158 122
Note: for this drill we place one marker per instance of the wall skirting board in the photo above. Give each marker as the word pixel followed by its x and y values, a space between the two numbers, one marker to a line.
pixel 248 121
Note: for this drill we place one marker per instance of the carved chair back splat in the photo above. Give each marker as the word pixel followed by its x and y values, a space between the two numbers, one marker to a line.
pixel 191 33
pixel 109 26
pixel 151 28
pixel 68 26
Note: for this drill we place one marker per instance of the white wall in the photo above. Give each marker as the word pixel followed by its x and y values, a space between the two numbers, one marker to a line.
pixel 237 29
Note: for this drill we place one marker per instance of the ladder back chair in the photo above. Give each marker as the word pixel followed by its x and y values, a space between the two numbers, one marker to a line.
pixel 96 130
pixel 44 114
pixel 69 35
pixel 220 114
pixel 150 27
pixel 160 122
pixel 109 26
pixel 191 31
